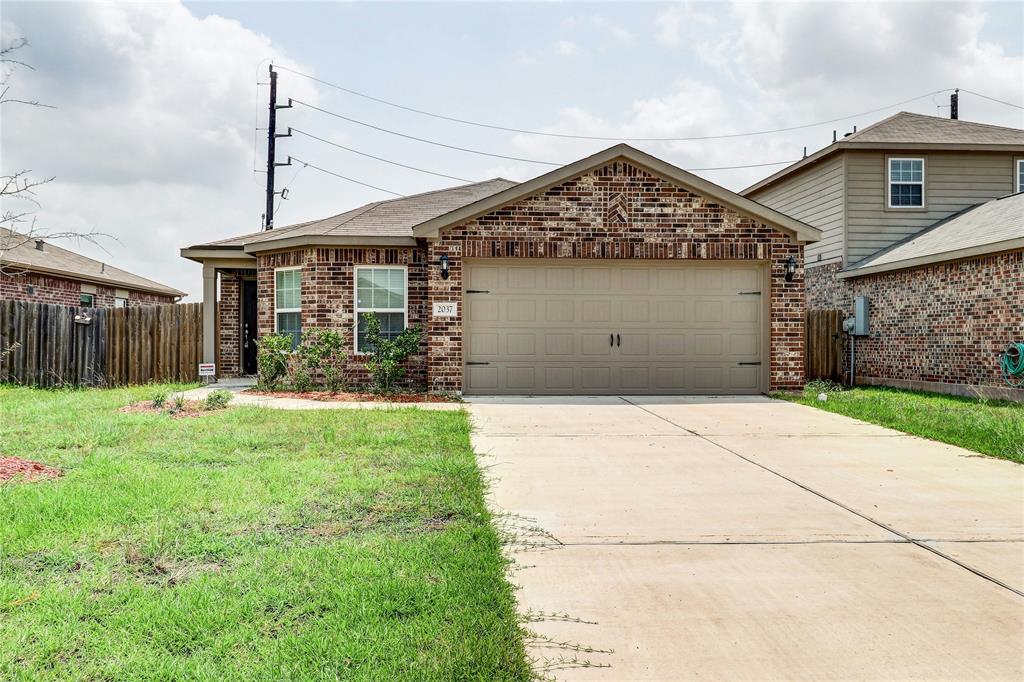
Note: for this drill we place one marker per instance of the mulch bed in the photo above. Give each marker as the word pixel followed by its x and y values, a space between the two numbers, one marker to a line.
pixel 192 408
pixel 25 469
pixel 347 397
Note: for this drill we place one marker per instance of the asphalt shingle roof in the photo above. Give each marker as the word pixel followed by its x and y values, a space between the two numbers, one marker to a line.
pixel 908 128
pixel 991 224
pixel 391 218
pixel 19 250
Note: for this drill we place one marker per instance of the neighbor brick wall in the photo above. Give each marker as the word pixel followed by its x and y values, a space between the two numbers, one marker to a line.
pixel 619 212
pixel 945 323
pixel 328 296
pixel 16 286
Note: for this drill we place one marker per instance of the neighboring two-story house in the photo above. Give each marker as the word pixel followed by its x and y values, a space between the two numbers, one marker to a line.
pixel 923 216
pixel 32 269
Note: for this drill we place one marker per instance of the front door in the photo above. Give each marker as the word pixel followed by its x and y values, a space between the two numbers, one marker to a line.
pixel 248 326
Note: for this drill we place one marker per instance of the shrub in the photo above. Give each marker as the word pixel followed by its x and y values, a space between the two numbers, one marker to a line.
pixel 272 355
pixel 321 352
pixel 178 404
pixel 218 400
pixel 159 399
pixel 387 355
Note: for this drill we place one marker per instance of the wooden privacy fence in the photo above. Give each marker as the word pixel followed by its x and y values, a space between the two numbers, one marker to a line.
pixel 824 344
pixel 42 344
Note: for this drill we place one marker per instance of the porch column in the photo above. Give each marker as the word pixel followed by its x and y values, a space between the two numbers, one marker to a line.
pixel 209 312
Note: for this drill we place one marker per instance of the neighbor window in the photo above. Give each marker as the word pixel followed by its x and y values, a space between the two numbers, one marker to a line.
pixel 1020 176
pixel 288 303
pixel 906 183
pixel 120 302
pixel 86 300
pixel 382 292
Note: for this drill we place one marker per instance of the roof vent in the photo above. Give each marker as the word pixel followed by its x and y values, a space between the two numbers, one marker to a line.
pixel 103 267
pixel 39 244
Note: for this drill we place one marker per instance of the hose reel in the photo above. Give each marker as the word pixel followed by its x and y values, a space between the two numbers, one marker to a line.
pixel 1012 364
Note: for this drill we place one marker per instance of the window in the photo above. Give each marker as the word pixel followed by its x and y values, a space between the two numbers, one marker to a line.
pixel 906 183
pixel 1020 176
pixel 120 302
pixel 288 303
pixel 86 300
pixel 381 291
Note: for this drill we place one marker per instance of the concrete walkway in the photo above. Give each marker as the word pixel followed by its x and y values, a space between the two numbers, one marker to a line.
pixel 753 539
pixel 240 386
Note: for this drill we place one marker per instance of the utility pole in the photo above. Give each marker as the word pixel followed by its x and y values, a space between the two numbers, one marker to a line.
pixel 268 217
pixel 954 105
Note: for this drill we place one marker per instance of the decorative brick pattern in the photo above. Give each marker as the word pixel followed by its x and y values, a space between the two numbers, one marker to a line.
pixel 944 323
pixel 582 219
pixel 39 288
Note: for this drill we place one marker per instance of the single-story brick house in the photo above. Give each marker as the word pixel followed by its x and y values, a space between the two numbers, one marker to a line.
pixel 33 269
pixel 921 215
pixel 619 273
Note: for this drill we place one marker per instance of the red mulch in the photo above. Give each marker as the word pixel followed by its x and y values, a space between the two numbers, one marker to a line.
pixel 27 470
pixel 193 408
pixel 346 397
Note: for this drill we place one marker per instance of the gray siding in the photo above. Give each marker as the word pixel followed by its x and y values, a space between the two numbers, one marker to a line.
pixel 814 196
pixel 953 182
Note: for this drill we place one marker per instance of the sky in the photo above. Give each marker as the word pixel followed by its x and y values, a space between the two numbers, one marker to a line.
pixel 154 132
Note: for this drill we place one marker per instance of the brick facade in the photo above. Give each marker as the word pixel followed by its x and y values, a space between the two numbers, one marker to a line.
pixel 616 212
pixel 229 325
pixel 40 288
pixel 944 324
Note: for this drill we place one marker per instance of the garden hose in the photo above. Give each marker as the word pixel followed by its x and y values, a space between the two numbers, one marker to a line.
pixel 1012 364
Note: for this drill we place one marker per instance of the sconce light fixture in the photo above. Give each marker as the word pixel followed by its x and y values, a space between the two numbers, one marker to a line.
pixel 790 269
pixel 444 266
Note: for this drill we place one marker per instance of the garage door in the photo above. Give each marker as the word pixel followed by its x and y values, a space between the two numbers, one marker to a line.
pixel 541 327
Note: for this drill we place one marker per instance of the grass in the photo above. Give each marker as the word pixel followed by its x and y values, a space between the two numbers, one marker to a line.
pixel 991 427
pixel 248 544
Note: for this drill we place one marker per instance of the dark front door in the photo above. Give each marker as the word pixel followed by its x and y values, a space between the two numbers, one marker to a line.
pixel 249 326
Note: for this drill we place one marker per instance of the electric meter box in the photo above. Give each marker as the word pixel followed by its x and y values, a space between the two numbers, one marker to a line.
pixel 860 316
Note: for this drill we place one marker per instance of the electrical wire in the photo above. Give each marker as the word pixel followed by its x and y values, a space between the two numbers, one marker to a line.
pixel 978 94
pixel 378 158
pixel 281 198
pixel 523 131
pixel 343 177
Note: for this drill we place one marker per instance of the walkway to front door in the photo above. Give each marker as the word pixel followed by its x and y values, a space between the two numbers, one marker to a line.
pixel 747 538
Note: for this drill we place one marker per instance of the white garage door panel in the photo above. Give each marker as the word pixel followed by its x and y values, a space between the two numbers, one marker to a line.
pixel 577 327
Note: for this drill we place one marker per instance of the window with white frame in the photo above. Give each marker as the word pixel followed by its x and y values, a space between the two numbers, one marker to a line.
pixel 120 302
pixel 906 183
pixel 288 303
pixel 1020 176
pixel 380 291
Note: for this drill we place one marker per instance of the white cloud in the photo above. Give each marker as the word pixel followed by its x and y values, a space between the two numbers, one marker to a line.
pixel 151 139
pixel 617 32
pixel 677 21
pixel 565 48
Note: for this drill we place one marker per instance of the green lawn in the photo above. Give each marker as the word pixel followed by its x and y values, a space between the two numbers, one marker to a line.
pixel 991 427
pixel 248 544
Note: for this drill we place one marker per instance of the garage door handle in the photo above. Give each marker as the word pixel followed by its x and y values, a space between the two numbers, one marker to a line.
pixel 748 363
pixel 611 340
pixel 477 291
pixel 618 340
pixel 478 363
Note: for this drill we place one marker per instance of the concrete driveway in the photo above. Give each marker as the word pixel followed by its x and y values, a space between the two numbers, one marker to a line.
pixel 752 539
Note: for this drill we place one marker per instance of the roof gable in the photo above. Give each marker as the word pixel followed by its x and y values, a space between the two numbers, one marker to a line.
pixel 621 152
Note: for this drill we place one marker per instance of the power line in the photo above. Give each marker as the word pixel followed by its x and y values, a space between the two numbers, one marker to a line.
pixel 611 139
pixel 474 151
pixel 284 190
pixel 379 158
pixel 420 139
pixel 343 177
pixel 978 94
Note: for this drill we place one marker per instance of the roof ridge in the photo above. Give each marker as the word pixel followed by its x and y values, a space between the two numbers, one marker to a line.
pixel 443 189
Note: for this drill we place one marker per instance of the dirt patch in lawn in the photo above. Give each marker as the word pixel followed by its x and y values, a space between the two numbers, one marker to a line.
pixel 349 397
pixel 25 470
pixel 191 408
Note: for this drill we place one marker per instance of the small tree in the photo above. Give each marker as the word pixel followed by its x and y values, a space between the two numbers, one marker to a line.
pixel 273 352
pixel 387 355
pixel 321 352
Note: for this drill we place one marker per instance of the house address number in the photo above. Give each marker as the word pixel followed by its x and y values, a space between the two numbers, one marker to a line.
pixel 446 308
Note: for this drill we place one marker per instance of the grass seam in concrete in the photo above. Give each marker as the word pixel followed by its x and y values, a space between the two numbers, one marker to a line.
pixel 913 541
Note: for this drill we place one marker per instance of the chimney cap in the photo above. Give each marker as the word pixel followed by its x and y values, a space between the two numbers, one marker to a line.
pixel 39 244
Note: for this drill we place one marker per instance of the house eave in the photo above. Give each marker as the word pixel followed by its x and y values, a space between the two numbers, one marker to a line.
pixel 326 240
pixel 200 254
pixel 748 207
pixel 105 281
pixel 932 259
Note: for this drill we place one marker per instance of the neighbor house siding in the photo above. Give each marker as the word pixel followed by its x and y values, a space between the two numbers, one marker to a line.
pixel 953 181
pixel 814 196
pixel 40 288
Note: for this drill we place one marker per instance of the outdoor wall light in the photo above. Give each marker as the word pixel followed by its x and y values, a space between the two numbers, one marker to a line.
pixel 790 269
pixel 444 266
